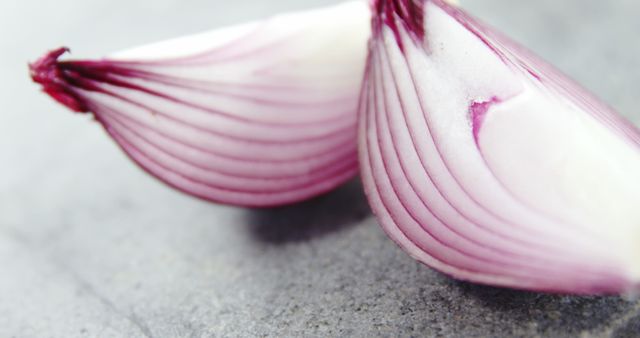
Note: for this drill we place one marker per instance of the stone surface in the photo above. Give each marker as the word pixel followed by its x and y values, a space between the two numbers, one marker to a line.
pixel 92 247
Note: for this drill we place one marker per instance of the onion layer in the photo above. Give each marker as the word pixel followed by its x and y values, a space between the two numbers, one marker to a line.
pixel 261 114
pixel 486 163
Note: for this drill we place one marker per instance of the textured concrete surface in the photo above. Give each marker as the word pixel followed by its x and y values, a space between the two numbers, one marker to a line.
pixel 92 247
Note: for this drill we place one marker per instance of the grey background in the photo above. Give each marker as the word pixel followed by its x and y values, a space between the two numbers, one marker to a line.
pixel 92 247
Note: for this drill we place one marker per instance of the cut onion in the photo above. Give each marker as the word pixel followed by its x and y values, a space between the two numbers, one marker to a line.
pixel 260 114
pixel 486 163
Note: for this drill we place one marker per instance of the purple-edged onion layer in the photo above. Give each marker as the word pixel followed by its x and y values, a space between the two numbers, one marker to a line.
pixel 488 164
pixel 260 114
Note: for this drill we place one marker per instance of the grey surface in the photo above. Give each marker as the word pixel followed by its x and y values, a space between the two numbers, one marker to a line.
pixel 92 247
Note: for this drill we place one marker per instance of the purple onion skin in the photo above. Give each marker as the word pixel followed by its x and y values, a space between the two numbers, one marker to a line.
pixel 53 78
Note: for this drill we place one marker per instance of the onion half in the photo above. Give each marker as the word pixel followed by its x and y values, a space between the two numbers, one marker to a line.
pixel 486 163
pixel 260 114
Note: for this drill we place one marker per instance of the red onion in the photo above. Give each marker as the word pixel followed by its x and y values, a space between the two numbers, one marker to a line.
pixel 479 159
pixel 260 114
pixel 486 163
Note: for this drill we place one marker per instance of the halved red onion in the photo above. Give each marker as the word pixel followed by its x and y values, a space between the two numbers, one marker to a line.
pixel 486 163
pixel 260 114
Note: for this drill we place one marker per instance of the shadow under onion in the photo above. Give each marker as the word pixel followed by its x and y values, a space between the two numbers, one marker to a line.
pixel 314 218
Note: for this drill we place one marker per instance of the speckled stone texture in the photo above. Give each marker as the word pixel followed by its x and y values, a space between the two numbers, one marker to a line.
pixel 92 247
